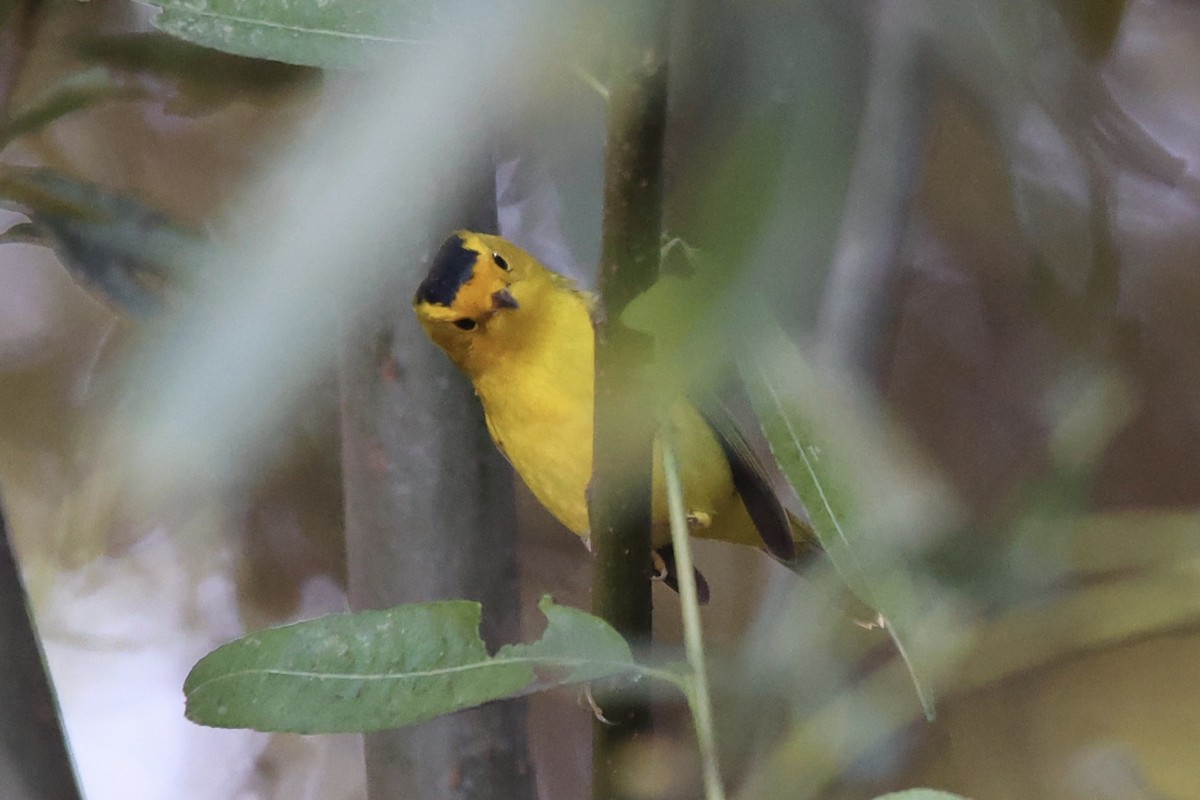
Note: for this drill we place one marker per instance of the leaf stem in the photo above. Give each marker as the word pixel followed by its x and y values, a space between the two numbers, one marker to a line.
pixel 693 638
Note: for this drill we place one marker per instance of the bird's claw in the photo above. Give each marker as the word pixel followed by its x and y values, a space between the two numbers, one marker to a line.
pixel 661 571
pixel 592 704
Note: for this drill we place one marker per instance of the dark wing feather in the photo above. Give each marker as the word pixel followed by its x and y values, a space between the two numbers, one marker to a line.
pixel 752 482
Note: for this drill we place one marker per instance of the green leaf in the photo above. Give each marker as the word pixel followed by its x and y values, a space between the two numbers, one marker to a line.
pixel 870 505
pixel 318 33
pixel 921 794
pixel 584 645
pixel 71 94
pixel 685 311
pixel 22 233
pixel 116 246
pixel 385 669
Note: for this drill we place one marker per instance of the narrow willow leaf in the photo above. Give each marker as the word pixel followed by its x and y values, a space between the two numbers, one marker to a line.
pixel 314 33
pixel 870 505
pixel 123 250
pixel 921 794
pixel 386 669
pixel 71 94
pixel 22 233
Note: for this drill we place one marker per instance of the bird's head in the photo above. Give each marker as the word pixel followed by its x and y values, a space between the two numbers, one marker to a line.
pixel 473 282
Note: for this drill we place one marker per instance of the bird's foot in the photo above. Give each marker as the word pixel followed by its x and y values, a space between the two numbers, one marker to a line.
pixel 664 562
pixel 592 704
pixel 661 570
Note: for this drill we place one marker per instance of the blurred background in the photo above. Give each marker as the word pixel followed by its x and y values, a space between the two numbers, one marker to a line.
pixel 982 215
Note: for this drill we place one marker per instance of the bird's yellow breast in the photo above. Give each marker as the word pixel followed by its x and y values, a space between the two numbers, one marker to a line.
pixel 537 392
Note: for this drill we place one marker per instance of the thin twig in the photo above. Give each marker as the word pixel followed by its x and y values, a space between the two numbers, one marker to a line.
pixel 699 697
pixel 16 40
pixel 857 307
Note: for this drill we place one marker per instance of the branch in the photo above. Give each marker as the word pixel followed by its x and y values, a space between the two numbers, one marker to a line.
pixel 18 27
pixel 857 309
pixel 34 761
pixel 620 491
pixel 430 516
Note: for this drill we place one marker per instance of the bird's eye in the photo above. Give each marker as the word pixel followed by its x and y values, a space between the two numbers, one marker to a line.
pixel 500 262
pixel 465 324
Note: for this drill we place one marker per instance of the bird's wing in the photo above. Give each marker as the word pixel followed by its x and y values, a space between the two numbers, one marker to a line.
pixel 751 481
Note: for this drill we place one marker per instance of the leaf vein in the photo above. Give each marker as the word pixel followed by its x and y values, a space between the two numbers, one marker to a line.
pixel 618 666
pixel 177 12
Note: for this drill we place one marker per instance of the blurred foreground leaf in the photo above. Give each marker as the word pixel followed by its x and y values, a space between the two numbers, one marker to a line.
pixel 315 33
pixel 686 313
pixel 21 233
pixel 920 794
pixel 114 245
pixel 63 97
pixel 202 77
pixel 869 508
pixel 386 669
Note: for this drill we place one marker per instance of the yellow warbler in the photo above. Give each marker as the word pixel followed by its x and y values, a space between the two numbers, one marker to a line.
pixel 524 336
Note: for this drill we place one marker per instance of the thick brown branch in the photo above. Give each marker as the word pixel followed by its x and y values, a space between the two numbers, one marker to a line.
pixel 430 516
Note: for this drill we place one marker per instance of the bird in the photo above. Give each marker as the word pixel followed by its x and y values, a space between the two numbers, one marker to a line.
pixel 524 336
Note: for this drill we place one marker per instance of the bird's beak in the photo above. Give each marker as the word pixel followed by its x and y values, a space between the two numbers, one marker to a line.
pixel 503 299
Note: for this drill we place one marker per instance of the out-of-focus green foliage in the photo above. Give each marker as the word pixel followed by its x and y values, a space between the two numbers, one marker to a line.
pixel 386 669
pixel 322 230
pixel 310 32
pixel 870 508
pixel 1061 585
pixel 127 252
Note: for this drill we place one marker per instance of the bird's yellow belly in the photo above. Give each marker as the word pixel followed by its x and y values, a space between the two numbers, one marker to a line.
pixel 556 466
pixel 547 437
pixel 548 440
pixel 711 501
